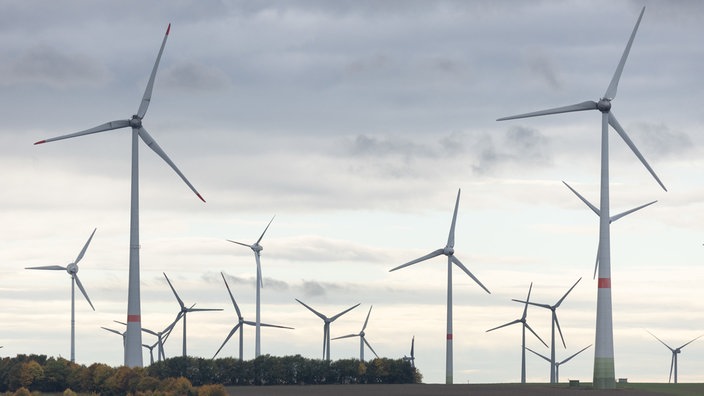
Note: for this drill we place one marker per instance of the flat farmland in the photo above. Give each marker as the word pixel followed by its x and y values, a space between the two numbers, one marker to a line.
pixel 469 389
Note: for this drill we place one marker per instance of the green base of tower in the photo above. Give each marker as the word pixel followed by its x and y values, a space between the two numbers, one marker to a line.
pixel 604 376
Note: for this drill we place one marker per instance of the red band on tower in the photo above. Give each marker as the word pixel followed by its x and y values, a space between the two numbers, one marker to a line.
pixel 449 337
pixel 604 283
pixel 134 318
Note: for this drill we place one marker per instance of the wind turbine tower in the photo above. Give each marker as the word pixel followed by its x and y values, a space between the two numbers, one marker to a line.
pixel 449 251
pixel 133 335
pixel 604 374
pixel 257 248
pixel 72 270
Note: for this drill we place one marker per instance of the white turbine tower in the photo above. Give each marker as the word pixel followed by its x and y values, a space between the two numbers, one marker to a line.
pixel 675 352
pixel 185 310
pixel 604 375
pixel 72 270
pixel 524 326
pixel 133 351
pixel 362 339
pixel 326 326
pixel 449 251
pixel 240 323
pixel 558 364
pixel 257 248
pixel 555 322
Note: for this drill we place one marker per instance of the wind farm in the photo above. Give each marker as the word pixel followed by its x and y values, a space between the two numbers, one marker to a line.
pixel 358 145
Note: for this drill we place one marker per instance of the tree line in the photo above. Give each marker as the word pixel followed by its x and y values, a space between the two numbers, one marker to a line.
pixel 184 375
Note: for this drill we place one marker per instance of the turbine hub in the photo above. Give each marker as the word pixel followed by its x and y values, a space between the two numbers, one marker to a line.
pixel 257 247
pixel 72 268
pixel 135 121
pixel 604 105
pixel 448 251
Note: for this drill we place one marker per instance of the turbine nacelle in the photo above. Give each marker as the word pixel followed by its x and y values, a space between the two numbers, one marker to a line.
pixel 135 121
pixel 604 105
pixel 448 251
pixel 257 248
pixel 72 268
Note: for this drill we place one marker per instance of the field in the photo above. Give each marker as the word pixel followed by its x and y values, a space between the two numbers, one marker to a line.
pixel 471 389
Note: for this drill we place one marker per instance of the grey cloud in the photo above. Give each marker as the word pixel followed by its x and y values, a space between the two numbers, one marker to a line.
pixel 542 67
pixel 43 64
pixel 311 248
pixel 195 77
pixel 312 289
pixel 660 140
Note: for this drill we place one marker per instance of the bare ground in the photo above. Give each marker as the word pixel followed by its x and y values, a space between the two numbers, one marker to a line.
pixel 445 390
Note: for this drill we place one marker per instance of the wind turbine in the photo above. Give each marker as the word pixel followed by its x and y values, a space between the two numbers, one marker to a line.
pixel 133 351
pixel 72 269
pixel 525 326
pixel 326 326
pixel 151 351
pixel 449 251
pixel 162 336
pixel 241 322
pixel 675 352
pixel 554 320
pixel 557 364
pixel 362 339
pixel 257 248
pixel 604 376
pixel 411 358
pixel 184 311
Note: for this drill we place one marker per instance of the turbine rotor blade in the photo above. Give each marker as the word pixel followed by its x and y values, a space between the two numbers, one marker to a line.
pixel 532 303
pixel 613 86
pixel 557 322
pixel 621 132
pixel 618 216
pixel 321 316
pixel 234 329
pixel 538 354
pixel 588 105
pixel 85 247
pixel 243 244
pixel 111 330
pixel 146 99
pixel 418 260
pixel 342 313
pixel 367 319
pixel 370 347
pixel 535 334
pixel 569 358
pixel 80 287
pixel 48 267
pixel 505 325
pixel 237 309
pixel 108 126
pixel 662 342
pixel 568 292
pixel 459 264
pixel 180 302
pixel 451 236
pixel 152 144
pixel 346 336
pixel 596 264
pixel 589 204
pixel 672 365
pixel 267 227
pixel 275 326
pixel 691 341
pixel 525 307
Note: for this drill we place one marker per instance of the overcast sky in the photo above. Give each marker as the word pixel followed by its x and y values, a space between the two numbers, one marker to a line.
pixel 355 123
